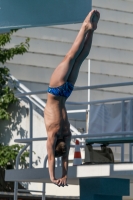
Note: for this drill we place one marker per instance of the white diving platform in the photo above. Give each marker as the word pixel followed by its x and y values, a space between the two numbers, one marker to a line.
pixel 96 182
pixel 122 171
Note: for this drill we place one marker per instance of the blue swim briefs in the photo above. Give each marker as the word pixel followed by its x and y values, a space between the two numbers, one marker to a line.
pixel 64 90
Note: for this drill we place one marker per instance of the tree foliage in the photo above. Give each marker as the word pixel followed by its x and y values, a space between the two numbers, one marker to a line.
pixel 8 153
pixel 7 54
pixel 8 156
pixel 6 93
pixel 7 96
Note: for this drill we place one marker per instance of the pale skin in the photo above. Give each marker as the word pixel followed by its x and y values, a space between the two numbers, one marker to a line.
pixel 55 115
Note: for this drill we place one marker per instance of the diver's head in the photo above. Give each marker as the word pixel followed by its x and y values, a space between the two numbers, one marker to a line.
pixel 60 148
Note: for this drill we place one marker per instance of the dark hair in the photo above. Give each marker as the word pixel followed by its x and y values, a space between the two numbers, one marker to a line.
pixel 60 148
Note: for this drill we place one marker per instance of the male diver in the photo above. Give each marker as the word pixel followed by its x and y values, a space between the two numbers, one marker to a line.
pixel 60 87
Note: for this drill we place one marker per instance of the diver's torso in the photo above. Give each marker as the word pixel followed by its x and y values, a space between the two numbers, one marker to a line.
pixel 55 117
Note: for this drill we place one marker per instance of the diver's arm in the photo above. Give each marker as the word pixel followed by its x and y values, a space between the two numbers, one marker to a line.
pixel 51 157
pixel 65 162
pixel 64 166
pixel 65 157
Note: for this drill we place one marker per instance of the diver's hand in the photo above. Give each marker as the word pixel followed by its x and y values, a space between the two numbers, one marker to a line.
pixel 62 182
pixel 55 181
pixel 94 19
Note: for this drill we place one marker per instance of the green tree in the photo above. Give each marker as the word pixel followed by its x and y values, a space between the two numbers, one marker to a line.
pixel 8 153
pixel 6 93
pixel 8 156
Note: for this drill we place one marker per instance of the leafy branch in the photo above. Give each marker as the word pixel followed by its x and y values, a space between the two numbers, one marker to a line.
pixel 8 156
pixel 7 54
pixel 8 153
pixel 7 96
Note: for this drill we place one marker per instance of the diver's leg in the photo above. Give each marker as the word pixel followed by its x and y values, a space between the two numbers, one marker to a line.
pixel 84 53
pixel 62 72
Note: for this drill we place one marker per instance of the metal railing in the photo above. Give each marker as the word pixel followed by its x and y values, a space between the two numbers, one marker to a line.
pixel 32 98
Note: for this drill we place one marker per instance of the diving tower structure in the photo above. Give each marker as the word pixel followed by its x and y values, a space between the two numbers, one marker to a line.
pixel 32 13
pixel 101 181
pixel 96 181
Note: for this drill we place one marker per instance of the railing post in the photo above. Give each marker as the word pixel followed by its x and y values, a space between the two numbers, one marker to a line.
pixel 130 152
pixel 15 190
pixel 43 191
pixel 122 127
pixel 131 128
pixel 87 119
pixel 88 107
pixel 44 184
pixel 17 164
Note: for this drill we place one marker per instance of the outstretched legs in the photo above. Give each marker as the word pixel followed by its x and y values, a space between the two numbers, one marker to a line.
pixel 78 62
pixel 68 69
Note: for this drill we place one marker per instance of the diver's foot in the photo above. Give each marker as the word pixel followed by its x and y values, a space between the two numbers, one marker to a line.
pixel 91 20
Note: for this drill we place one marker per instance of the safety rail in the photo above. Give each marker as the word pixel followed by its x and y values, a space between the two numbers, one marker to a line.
pixel 80 88
pixel 58 164
pixel 26 94
pixel 32 94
